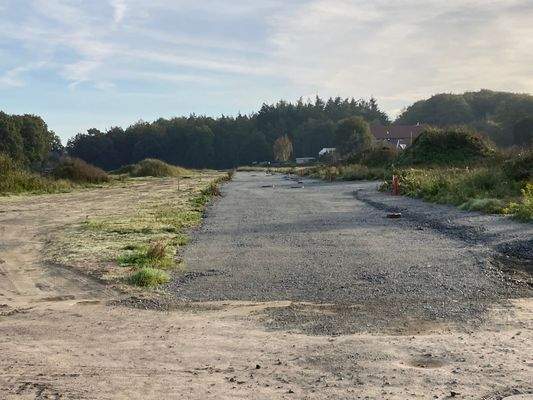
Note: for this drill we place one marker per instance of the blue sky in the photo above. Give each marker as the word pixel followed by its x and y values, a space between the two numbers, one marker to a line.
pixel 102 63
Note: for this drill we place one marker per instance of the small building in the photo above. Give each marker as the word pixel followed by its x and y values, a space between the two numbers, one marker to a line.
pixel 305 160
pixel 326 150
pixel 399 136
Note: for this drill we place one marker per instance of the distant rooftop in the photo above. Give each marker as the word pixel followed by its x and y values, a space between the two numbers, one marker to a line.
pixel 396 131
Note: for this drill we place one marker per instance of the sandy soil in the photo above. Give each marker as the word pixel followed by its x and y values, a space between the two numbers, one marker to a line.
pixel 62 336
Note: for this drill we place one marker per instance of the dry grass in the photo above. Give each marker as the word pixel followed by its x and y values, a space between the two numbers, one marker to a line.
pixel 145 227
pixel 79 171
pixel 15 179
pixel 153 167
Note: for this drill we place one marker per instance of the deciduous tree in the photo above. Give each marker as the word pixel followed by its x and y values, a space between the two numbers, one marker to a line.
pixel 352 135
pixel 282 148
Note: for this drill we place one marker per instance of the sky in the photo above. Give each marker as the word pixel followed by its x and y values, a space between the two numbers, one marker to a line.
pixel 101 63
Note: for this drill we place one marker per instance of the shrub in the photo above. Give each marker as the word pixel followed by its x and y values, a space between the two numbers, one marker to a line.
pixel 16 179
pixel 457 185
pixel 156 251
pixel 77 170
pixel 213 189
pixel 352 135
pixel 7 164
pixel 125 169
pixel 350 172
pixel 355 172
pixel 330 173
pixel 152 167
pixel 523 211
pixel 378 156
pixel 457 146
pixel 149 277
pixel 519 166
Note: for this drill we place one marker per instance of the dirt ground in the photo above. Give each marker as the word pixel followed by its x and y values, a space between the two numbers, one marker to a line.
pixel 64 334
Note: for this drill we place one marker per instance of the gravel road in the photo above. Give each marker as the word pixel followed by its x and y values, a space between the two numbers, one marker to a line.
pixel 329 248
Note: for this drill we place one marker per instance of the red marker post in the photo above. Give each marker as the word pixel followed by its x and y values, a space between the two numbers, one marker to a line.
pixel 395 185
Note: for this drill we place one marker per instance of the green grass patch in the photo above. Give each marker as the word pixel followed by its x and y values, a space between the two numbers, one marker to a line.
pixel 213 189
pixel 489 206
pixel 149 277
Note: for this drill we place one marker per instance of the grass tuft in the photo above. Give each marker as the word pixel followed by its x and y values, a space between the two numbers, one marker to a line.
pixel 149 277
pixel 153 256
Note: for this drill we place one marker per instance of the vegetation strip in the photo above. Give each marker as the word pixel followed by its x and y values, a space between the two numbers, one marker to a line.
pixel 447 166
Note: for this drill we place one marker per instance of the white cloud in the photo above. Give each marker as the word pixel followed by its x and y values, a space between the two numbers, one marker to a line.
pixel 119 10
pixel 79 71
pixel 406 49
pixel 14 76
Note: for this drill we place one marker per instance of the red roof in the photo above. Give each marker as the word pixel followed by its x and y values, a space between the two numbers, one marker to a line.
pixel 397 131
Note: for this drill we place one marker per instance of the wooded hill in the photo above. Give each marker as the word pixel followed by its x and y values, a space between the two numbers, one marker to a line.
pixel 498 115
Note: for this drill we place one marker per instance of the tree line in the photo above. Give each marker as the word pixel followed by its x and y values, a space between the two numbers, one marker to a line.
pixel 225 142
pixel 304 128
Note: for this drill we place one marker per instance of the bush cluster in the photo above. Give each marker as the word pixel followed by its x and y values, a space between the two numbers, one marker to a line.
pixel 376 156
pixel 484 188
pixel 455 146
pixel 152 167
pixel 523 209
pixel 520 166
pixel 14 178
pixel 349 172
pixel 79 171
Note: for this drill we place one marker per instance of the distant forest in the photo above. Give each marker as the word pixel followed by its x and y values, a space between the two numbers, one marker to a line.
pixel 226 142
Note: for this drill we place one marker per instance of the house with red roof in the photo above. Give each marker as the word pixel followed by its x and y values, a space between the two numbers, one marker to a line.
pixel 399 136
